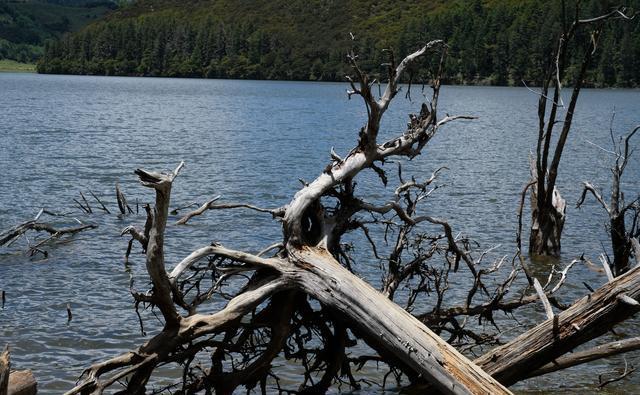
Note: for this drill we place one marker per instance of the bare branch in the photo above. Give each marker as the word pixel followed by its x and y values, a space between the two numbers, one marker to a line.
pixel 238 256
pixel 392 86
pixel 588 187
pixel 543 298
pixel 278 212
pixel 592 354
pixel 19 230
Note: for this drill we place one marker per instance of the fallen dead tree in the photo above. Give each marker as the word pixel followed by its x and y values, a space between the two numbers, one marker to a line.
pixel 586 319
pixel 10 235
pixel 304 304
pixel 305 264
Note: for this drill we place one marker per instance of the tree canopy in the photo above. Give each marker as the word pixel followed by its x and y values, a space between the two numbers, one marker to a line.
pixel 26 25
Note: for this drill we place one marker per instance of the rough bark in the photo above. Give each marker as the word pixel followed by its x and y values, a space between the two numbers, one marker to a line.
pixel 592 354
pixel 22 382
pixel 399 332
pixel 5 370
pixel 588 318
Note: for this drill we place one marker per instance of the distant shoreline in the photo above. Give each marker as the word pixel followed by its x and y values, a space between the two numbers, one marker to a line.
pixel 446 82
pixel 12 66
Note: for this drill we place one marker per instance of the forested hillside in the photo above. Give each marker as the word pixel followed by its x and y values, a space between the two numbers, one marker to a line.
pixel 499 42
pixel 26 25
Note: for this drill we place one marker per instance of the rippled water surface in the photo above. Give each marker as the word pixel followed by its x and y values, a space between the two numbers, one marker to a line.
pixel 248 141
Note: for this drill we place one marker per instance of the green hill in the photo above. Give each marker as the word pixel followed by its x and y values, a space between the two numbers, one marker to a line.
pixel 26 25
pixel 492 41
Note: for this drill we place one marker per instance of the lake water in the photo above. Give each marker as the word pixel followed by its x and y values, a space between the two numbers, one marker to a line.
pixel 250 141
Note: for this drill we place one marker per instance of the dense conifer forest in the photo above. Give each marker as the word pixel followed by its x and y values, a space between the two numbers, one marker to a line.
pixel 26 25
pixel 492 42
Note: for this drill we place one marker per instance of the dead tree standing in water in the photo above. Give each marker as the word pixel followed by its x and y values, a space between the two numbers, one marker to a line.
pixel 623 241
pixel 548 208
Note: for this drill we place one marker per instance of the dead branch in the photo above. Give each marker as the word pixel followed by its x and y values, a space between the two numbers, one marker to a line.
pixel 627 371
pixel 278 212
pixel 18 230
pixel 122 201
pixel 102 206
pixel 592 354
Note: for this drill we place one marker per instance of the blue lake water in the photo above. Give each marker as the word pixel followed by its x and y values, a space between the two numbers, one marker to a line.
pixel 251 141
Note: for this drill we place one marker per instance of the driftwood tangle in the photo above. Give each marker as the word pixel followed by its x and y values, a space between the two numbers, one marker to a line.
pixel 306 291
pixel 304 265
pixel 586 319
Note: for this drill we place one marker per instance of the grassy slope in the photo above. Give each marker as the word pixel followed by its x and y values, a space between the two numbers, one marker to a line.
pixel 7 65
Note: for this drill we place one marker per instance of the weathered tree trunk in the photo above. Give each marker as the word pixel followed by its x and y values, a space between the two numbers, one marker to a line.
pixel 588 318
pixel 547 222
pixel 22 382
pixel 398 331
pixel 5 370
pixel 617 209
pixel 548 207
pixel 620 244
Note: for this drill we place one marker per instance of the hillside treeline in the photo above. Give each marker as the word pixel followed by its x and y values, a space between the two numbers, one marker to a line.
pixel 496 42
pixel 26 25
